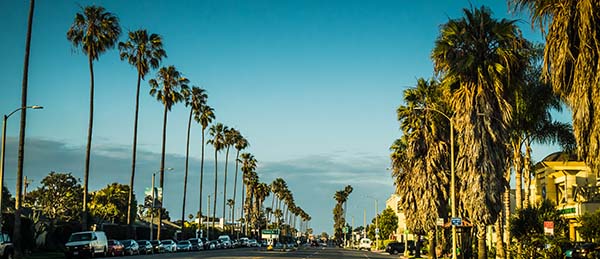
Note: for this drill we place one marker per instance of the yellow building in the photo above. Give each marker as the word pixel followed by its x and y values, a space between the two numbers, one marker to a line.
pixel 393 202
pixel 568 183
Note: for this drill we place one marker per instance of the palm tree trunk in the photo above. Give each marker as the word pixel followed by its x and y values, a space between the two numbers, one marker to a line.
pixel 22 125
pixel 201 179
pixel 88 147
pixel 272 206
pixel 500 254
pixel 516 145
pixel 245 223
pixel 481 236
pixel 225 186
pixel 237 156
pixel 162 172
pixel 506 197
pixel 187 157
pixel 134 152
pixel 527 172
pixel 215 199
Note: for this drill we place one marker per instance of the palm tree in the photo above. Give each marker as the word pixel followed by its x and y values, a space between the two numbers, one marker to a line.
pixel 230 135
pixel 230 203
pixel 479 59
pixel 167 87
pixel 276 186
pixel 249 178
pixel 571 64
pixel 261 193
pixel 142 51
pixel 240 143
pixel 22 126
pixel 205 116
pixel 95 31
pixel 420 159
pixel 195 99
pixel 217 132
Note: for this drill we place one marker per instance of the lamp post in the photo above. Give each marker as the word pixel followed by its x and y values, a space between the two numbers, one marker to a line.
pixel 4 149
pixel 452 175
pixel 376 222
pixel 154 204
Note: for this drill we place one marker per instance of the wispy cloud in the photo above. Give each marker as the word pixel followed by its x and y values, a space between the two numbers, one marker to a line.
pixel 313 179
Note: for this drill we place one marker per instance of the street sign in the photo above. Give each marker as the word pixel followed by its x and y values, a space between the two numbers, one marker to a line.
pixel 457 222
pixel 440 222
pixel 549 228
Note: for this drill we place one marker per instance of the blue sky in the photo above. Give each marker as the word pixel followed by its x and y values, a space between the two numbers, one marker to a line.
pixel 313 86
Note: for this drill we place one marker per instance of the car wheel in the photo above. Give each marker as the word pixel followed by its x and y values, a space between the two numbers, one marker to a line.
pixel 92 253
pixel 9 255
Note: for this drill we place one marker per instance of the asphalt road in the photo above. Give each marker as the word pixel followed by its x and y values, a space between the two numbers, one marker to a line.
pixel 252 253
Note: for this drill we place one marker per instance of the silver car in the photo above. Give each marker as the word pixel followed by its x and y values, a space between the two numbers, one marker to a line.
pixel 169 245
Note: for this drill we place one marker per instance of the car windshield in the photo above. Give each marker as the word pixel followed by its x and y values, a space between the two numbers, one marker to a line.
pixel 142 242
pixel 184 242
pixel 154 242
pixel 80 237
pixel 126 242
pixel 167 242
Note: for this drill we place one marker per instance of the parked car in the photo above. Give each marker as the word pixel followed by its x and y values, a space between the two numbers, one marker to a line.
pixel 131 247
pixel 399 247
pixel 365 244
pixel 6 246
pixel 87 243
pixel 197 244
pixel 244 242
pixel 145 247
pixel 226 241
pixel 157 246
pixel 115 248
pixel 252 243
pixel 587 250
pixel 205 243
pixel 169 245
pixel 569 247
pixel 184 245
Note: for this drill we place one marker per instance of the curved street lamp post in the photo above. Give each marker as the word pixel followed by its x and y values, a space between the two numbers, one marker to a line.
pixel 4 149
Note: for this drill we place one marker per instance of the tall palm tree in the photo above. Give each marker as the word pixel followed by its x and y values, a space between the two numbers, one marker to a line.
pixel 276 186
pixel 261 193
pixel 230 205
pixel 249 179
pixel 205 116
pixel 22 126
pixel 142 51
pixel 240 144
pixel 420 158
pixel 95 31
pixel 571 64
pixel 195 99
pixel 167 87
pixel 217 132
pixel 230 135
pixel 480 58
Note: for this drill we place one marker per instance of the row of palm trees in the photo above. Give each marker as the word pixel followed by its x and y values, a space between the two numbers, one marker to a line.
pixel 95 31
pixel 490 87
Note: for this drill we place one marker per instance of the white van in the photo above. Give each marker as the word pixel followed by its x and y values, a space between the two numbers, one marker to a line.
pixel 365 243
pixel 87 243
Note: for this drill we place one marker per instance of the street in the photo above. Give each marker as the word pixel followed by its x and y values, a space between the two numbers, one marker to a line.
pixel 303 252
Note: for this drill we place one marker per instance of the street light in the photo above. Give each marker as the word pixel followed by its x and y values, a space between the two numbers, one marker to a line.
pixel 376 222
pixel 153 204
pixel 4 148
pixel 452 175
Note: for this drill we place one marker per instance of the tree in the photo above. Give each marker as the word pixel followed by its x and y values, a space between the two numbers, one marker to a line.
pixel 22 125
pixel 8 202
pixel 527 226
pixel 205 116
pixel 95 31
pixel 240 143
pixel 388 222
pixel 249 179
pixel 110 204
pixel 590 226
pixel 479 59
pixel 195 99
pixel 229 140
pixel 217 132
pixel 142 51
pixel 167 87
pixel 58 197
pixel 571 64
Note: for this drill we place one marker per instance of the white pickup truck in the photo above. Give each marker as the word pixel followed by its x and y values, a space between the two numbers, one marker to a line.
pixel 365 244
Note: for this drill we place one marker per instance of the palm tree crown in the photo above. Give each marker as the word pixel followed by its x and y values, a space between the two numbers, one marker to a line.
pixel 95 31
pixel 142 51
pixel 172 85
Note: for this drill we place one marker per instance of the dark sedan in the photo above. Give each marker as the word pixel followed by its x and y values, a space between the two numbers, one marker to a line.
pixel 398 247
pixel 145 247
pixel 131 247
